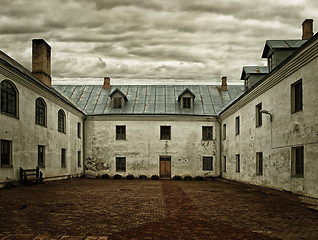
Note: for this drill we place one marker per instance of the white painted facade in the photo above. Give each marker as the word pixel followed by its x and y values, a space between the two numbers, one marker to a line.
pixel 26 135
pixel 143 147
pixel 277 138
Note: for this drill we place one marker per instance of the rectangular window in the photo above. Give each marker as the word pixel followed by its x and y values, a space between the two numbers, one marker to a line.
pixel 224 131
pixel 63 158
pixel 237 125
pixel 238 163
pixel 259 163
pixel 120 132
pixel 165 132
pixel 207 133
pixel 208 163
pixel 117 102
pixel 6 153
pixel 79 162
pixel 120 164
pixel 297 154
pixel 224 163
pixel 79 129
pixel 296 97
pixel 258 109
pixel 41 155
pixel 186 102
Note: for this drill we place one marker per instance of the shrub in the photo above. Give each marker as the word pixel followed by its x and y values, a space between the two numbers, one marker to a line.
pixel 198 178
pixel 130 176
pixel 142 177
pixel 117 176
pixel 187 178
pixel 105 176
pixel 177 177
pixel 154 177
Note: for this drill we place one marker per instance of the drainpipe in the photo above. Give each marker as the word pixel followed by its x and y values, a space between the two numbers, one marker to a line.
pixel 84 157
pixel 220 144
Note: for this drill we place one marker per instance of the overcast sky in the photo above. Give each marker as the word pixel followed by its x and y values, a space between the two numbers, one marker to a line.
pixel 150 41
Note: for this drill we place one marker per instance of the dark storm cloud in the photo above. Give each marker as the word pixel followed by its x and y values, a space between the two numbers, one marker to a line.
pixel 149 39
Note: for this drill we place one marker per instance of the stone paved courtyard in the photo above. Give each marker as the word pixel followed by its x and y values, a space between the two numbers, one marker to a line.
pixel 165 209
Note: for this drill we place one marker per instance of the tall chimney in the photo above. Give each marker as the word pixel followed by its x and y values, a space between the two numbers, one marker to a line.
pixel 224 83
pixel 41 61
pixel 106 83
pixel 307 29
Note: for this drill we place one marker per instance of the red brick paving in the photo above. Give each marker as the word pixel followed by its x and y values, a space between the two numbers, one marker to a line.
pixel 134 209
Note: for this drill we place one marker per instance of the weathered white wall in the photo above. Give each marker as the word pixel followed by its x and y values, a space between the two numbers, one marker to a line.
pixel 26 135
pixel 143 146
pixel 276 138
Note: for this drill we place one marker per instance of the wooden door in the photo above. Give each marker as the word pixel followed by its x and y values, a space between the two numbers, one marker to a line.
pixel 165 167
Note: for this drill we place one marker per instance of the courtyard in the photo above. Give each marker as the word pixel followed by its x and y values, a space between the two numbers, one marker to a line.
pixel 154 209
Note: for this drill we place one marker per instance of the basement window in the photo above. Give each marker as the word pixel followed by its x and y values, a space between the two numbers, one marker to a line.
pixel 259 163
pixel 6 153
pixel 296 97
pixel 79 159
pixel 165 132
pixel 224 163
pixel 41 155
pixel 120 164
pixel 238 163
pixel 120 132
pixel 208 163
pixel 207 133
pixel 297 161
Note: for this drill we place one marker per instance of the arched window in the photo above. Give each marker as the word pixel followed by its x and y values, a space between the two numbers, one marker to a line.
pixel 61 121
pixel 40 112
pixel 9 98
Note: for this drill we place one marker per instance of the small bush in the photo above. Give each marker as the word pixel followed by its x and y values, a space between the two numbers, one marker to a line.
pixel 154 177
pixel 142 177
pixel 177 177
pixel 105 176
pixel 130 176
pixel 188 178
pixel 198 178
pixel 117 176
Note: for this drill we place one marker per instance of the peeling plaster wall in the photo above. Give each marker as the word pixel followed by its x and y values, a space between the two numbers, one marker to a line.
pixel 26 135
pixel 143 146
pixel 276 138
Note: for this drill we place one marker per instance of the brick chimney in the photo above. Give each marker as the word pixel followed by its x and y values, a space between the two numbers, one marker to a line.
pixel 224 83
pixel 41 61
pixel 106 83
pixel 307 29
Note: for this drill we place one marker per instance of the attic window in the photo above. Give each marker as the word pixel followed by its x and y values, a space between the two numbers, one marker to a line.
pixel 118 102
pixel 186 102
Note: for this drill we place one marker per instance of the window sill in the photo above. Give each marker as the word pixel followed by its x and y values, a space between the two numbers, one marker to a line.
pixel 62 132
pixel 9 115
pixel 6 166
pixel 297 176
pixel 119 139
pixel 41 125
pixel 299 111
pixel 41 166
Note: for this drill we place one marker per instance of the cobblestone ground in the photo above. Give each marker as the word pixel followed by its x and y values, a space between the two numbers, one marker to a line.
pixel 135 209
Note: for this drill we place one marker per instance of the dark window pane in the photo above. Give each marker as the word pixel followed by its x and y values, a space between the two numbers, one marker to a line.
pixel 6 152
pixel 165 132
pixel 40 112
pixel 186 102
pixel 8 98
pixel 120 132
pixel 61 121
pixel 120 164
pixel 207 133
pixel 207 163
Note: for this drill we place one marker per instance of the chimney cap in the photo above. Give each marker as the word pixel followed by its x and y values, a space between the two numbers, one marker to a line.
pixel 307 20
pixel 39 40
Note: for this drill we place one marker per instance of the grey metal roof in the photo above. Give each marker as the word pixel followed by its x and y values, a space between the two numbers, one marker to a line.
pixel 151 99
pixel 281 44
pixel 247 70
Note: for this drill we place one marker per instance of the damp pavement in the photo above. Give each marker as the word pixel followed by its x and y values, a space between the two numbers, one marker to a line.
pixel 154 209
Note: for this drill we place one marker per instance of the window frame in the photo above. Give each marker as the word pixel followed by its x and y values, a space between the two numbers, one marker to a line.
pixel 120 132
pixel 207 163
pixel 165 132
pixel 40 117
pixel 237 125
pixel 63 157
pixel 41 157
pixel 297 96
pixel 237 163
pixel 207 133
pixel 298 165
pixel 186 102
pixel 8 153
pixel 258 115
pixel 60 120
pixel 117 102
pixel 120 164
pixel 259 163
pixel 4 95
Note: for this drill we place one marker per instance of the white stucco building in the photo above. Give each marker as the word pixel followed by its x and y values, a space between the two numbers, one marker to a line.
pixel 264 132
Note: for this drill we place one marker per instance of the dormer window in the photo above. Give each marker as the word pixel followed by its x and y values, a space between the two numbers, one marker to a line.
pixel 118 99
pixel 186 99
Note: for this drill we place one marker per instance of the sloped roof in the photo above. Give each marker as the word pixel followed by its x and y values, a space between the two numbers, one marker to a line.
pixel 120 92
pixel 281 44
pixel 151 99
pixel 258 70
